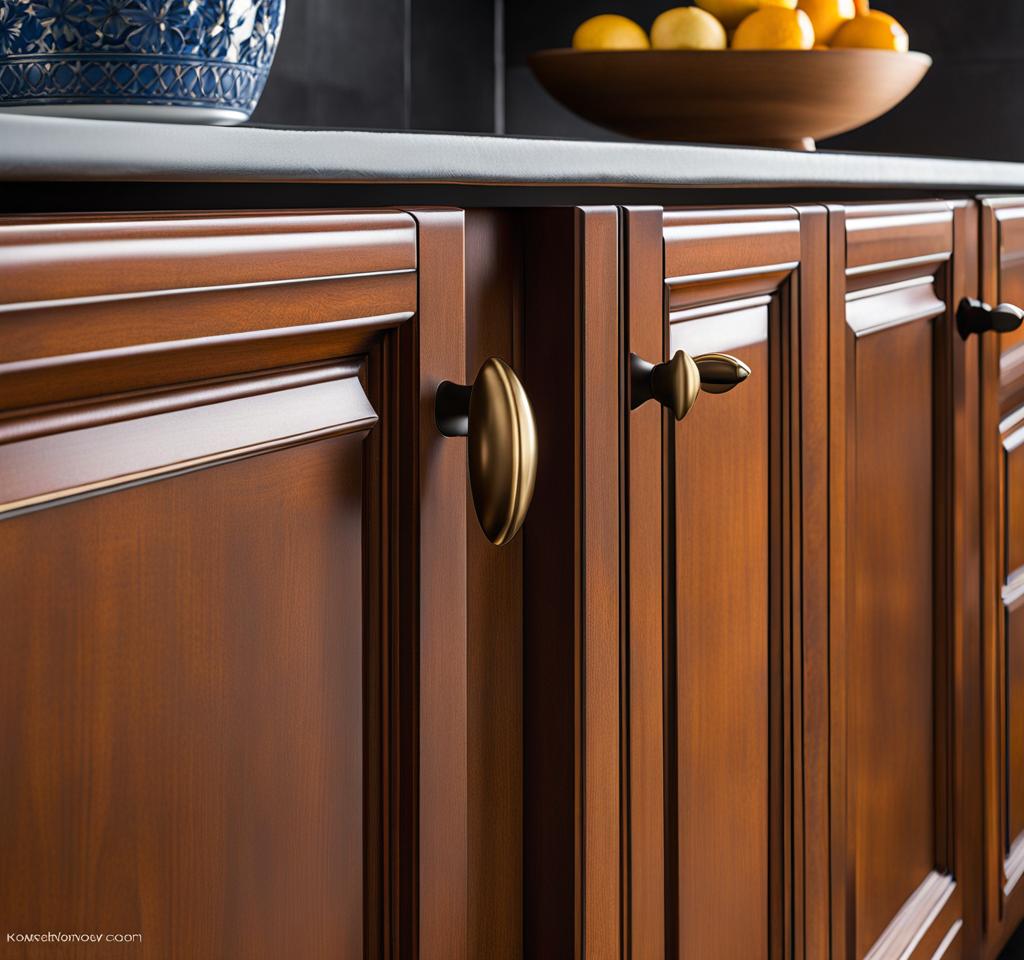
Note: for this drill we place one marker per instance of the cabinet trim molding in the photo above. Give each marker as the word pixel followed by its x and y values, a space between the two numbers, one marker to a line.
pixel 95 305
pixel 109 446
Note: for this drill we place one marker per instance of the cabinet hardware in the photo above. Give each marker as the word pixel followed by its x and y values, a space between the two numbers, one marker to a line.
pixel 494 413
pixel 676 382
pixel 974 316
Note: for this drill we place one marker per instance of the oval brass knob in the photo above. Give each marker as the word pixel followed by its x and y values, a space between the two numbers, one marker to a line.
pixel 676 383
pixel 974 316
pixel 495 414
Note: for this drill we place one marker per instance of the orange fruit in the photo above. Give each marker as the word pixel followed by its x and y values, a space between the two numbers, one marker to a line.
pixel 609 31
pixel 874 30
pixel 732 12
pixel 863 6
pixel 687 28
pixel 827 16
pixel 775 28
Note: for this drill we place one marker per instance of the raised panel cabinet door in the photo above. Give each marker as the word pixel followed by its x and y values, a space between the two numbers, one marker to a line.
pixel 232 576
pixel 1002 465
pixel 903 504
pixel 724 518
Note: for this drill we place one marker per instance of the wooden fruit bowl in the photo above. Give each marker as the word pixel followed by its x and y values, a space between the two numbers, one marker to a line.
pixel 771 98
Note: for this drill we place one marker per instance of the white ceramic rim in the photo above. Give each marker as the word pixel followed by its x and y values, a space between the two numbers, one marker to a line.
pixel 145 112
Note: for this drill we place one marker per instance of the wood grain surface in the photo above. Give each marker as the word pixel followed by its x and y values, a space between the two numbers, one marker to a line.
pixel 780 98
pixel 494 620
pixel 898 537
pixel 647 596
pixel 571 586
pixel 182 708
pixel 95 305
pixel 733 284
pixel 233 547
pixel 1002 415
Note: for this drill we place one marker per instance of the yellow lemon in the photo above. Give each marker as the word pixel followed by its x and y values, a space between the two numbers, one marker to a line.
pixel 827 16
pixel 609 31
pixel 873 29
pixel 774 28
pixel 687 28
pixel 732 12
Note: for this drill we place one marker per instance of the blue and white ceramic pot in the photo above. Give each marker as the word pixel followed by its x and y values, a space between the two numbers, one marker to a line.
pixel 192 61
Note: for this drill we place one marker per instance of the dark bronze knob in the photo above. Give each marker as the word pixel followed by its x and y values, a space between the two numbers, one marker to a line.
pixel 974 316
pixel 676 382
pixel 496 416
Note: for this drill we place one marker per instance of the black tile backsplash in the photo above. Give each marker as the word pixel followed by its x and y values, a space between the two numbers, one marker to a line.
pixel 461 65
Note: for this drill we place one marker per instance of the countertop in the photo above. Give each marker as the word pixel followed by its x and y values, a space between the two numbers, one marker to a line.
pixel 44 149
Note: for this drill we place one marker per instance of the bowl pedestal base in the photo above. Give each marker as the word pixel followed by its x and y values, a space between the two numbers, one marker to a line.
pixel 803 143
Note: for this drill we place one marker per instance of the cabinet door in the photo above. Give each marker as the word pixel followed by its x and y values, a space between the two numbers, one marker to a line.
pixel 902 533
pixel 1002 460
pixel 232 576
pixel 725 514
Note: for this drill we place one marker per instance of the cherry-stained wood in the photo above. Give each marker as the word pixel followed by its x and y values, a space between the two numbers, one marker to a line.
pixel 810 547
pixel 94 306
pixel 966 565
pixel 900 452
pixel 645 546
pixel 431 529
pixel 1002 492
pixel 233 685
pixel 723 671
pixel 724 486
pixel 494 620
pixel 572 659
pixel 182 712
pixel 175 431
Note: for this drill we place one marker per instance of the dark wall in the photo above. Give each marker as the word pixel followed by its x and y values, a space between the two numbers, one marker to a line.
pixel 387 64
pixel 462 65
pixel 969 105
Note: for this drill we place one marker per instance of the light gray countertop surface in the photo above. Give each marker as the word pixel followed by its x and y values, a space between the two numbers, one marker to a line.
pixel 50 148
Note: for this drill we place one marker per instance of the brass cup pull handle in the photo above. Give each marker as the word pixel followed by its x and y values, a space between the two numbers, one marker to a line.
pixel 676 383
pixel 494 413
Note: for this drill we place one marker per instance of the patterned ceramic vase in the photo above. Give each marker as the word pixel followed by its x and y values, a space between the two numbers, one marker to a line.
pixel 199 61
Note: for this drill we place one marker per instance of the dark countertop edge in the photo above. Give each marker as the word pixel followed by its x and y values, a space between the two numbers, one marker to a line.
pixel 50 148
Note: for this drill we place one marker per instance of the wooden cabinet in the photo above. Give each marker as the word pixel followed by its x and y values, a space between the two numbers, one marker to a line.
pixel 747 686
pixel 1002 458
pixel 233 583
pixel 903 533
pixel 802 583
pixel 714 539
